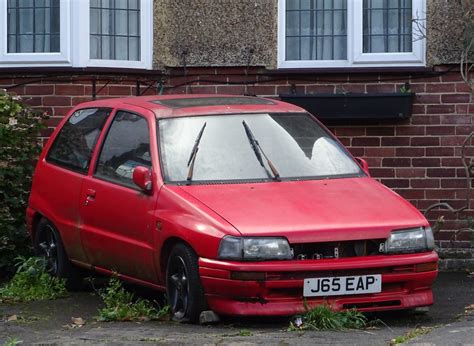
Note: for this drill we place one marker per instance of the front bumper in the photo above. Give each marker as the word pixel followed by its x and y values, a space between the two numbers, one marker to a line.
pixel 406 283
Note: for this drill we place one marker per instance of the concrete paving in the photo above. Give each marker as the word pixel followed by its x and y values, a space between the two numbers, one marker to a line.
pixel 50 323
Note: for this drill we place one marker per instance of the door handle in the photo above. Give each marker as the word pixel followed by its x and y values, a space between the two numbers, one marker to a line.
pixel 90 193
pixel 90 196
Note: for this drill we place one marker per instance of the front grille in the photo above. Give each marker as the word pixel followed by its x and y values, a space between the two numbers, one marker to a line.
pixel 300 275
pixel 342 249
pixel 371 305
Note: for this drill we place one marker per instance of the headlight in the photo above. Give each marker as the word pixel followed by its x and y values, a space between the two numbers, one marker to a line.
pixel 241 248
pixel 410 240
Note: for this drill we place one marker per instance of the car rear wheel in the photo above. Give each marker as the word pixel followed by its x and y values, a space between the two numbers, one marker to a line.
pixel 184 289
pixel 48 245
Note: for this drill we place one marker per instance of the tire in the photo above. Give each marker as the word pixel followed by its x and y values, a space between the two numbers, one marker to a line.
pixel 183 285
pixel 48 244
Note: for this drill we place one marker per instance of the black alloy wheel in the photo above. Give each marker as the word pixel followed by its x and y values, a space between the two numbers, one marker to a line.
pixel 184 289
pixel 178 287
pixel 48 244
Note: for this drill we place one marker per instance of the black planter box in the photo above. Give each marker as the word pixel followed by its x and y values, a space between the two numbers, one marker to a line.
pixel 354 106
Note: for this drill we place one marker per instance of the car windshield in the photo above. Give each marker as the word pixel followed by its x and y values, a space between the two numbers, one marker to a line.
pixel 243 147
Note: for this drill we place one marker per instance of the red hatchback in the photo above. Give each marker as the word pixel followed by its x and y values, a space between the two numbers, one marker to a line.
pixel 240 205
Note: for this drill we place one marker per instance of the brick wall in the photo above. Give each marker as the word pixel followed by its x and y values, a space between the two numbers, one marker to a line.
pixel 418 157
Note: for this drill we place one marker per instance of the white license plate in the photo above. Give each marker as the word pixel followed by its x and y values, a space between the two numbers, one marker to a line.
pixel 342 285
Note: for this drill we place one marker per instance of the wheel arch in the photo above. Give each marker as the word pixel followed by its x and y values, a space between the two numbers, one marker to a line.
pixel 37 217
pixel 166 249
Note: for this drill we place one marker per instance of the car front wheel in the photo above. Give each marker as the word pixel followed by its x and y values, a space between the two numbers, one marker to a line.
pixel 184 289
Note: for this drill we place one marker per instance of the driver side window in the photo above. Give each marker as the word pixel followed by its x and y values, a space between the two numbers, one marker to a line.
pixel 126 146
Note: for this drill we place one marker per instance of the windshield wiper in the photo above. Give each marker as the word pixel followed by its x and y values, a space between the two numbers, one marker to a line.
pixel 192 157
pixel 259 152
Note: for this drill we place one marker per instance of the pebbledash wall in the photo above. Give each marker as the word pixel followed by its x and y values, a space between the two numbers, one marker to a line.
pixel 198 51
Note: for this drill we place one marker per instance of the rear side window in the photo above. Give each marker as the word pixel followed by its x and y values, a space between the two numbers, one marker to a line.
pixel 126 146
pixel 75 142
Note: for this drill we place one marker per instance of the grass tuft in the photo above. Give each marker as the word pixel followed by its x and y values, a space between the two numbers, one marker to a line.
pixel 121 305
pixel 12 342
pixel 323 317
pixel 32 282
pixel 245 332
pixel 418 331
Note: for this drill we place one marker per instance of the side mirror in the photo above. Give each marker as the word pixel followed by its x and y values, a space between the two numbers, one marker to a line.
pixel 142 178
pixel 363 164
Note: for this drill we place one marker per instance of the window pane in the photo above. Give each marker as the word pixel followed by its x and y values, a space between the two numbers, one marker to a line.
pixel 121 3
pixel 33 26
pixel 292 48
pixel 26 21
pixel 317 29
pixel 306 48
pixel 292 23
pixel 133 4
pixel 115 29
pixel 94 46
pixel 134 48
pixel 26 43
pixel 121 50
pixel 95 23
pixel 387 26
pixel 121 23
pixel 74 145
pixel 134 23
pixel 126 146
pixel 292 4
pixel 54 42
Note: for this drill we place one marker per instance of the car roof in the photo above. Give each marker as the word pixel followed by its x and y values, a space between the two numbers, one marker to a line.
pixel 167 106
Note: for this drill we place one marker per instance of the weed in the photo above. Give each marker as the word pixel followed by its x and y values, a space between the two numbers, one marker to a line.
pixel 32 282
pixel 418 331
pixel 152 340
pixel 323 317
pixel 245 332
pixel 121 305
pixel 12 342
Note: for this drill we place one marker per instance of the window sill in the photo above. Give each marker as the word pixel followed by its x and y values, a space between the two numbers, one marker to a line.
pixel 346 70
pixel 40 70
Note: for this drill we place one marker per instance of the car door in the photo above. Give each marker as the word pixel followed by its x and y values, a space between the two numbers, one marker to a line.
pixel 60 174
pixel 115 213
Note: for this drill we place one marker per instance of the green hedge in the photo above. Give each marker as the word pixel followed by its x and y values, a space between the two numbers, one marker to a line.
pixel 19 148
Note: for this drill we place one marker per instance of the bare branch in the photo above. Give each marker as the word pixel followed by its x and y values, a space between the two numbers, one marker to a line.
pixel 419 27
pixel 465 66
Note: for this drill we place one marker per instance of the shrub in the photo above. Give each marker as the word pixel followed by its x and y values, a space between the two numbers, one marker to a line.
pixel 19 127
pixel 32 282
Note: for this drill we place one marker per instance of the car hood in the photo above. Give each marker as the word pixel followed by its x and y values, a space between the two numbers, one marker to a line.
pixel 312 210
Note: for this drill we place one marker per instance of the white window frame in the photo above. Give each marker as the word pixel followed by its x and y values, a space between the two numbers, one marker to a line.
pixel 355 56
pixel 81 50
pixel 75 40
pixel 61 58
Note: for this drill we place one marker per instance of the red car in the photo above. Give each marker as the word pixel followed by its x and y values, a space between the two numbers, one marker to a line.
pixel 240 205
